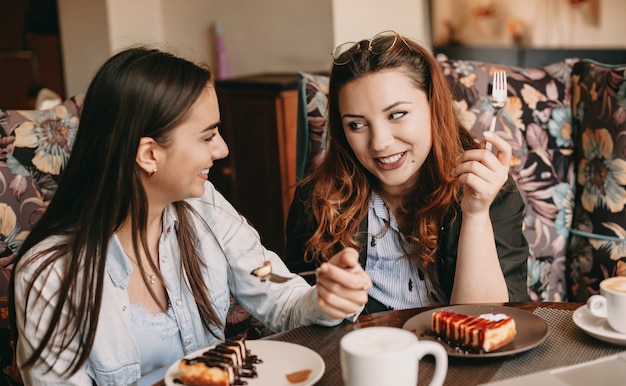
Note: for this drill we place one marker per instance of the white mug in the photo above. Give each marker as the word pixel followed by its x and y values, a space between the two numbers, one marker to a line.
pixel 375 356
pixel 611 304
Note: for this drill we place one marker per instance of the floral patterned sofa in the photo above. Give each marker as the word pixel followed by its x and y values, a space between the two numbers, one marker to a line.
pixel 566 123
pixel 34 148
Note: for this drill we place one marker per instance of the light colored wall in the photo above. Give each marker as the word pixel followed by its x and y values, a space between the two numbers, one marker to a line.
pixel 552 23
pixel 260 36
pixel 134 22
pixel 560 25
pixel 85 42
pixel 354 20
pixel 289 35
pixel 91 31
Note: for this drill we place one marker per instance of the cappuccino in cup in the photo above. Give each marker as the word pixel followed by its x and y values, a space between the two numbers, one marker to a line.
pixel 375 356
pixel 615 284
pixel 611 303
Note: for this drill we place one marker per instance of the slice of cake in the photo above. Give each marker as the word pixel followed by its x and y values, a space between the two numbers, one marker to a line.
pixel 264 272
pixel 208 373
pixel 484 333
pixel 222 365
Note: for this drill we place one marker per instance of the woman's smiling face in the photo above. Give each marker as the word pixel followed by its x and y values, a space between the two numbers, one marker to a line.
pixel 195 145
pixel 386 120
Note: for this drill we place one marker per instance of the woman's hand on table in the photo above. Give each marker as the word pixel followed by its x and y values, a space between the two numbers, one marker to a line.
pixel 342 284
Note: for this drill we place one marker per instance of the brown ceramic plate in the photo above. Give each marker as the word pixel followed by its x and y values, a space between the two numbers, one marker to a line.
pixel 531 329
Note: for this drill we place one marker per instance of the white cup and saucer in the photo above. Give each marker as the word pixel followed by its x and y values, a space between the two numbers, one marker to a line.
pixel 604 315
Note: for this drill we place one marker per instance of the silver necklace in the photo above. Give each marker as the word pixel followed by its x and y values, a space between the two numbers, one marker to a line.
pixel 151 276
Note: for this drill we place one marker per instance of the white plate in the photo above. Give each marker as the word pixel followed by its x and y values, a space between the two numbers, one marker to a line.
pixel 597 327
pixel 532 330
pixel 279 359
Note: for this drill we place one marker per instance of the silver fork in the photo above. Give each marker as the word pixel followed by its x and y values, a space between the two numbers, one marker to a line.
pixel 265 273
pixel 498 99
pixel 281 279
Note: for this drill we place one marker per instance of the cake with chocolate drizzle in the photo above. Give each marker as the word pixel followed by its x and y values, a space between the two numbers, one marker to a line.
pixel 223 365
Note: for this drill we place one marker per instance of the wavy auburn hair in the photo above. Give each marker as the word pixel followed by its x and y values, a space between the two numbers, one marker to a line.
pixel 341 186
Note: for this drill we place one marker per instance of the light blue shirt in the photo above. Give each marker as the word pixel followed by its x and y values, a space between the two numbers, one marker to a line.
pixel 231 248
pixel 158 340
pixel 398 282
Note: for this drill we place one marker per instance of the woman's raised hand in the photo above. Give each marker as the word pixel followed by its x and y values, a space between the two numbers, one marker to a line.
pixel 482 173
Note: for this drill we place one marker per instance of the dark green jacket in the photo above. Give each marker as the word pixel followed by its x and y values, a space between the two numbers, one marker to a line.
pixel 507 211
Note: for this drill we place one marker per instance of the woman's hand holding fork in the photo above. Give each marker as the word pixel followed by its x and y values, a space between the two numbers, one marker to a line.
pixel 482 173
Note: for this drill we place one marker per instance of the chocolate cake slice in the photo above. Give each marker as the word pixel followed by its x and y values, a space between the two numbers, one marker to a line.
pixel 222 365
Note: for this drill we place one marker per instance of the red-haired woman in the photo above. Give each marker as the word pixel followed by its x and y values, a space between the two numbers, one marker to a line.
pixel 436 217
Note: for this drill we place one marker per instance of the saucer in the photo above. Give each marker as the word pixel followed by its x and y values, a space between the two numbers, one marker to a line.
pixel 597 327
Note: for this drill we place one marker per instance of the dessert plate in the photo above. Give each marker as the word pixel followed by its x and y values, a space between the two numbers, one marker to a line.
pixel 279 359
pixel 532 330
pixel 597 327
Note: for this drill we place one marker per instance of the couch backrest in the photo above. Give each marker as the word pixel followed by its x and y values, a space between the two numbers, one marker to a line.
pixel 537 122
pixel 35 146
pixel 598 235
pixel 312 114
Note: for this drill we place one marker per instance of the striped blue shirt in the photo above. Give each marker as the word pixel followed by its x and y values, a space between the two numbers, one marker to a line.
pixel 399 282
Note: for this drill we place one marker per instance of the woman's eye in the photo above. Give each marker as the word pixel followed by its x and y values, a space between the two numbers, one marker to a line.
pixel 355 125
pixel 397 115
pixel 210 138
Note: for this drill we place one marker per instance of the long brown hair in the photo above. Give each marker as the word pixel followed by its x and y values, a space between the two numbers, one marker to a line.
pixel 341 186
pixel 137 93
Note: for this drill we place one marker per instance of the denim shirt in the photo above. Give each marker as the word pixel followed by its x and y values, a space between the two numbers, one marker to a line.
pixel 231 249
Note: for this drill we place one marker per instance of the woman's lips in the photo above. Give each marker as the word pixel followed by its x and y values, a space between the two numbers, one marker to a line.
pixel 391 162
pixel 204 174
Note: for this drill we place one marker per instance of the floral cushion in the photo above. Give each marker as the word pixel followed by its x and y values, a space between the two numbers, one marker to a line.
pixel 598 244
pixel 537 122
pixel 312 105
pixel 34 148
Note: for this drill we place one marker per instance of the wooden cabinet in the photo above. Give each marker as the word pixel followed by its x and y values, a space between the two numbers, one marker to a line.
pixel 18 74
pixel 30 52
pixel 259 120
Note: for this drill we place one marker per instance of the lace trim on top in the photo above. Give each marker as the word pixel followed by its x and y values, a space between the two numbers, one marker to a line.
pixel 162 324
